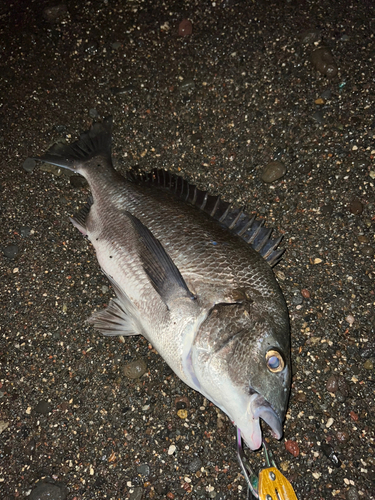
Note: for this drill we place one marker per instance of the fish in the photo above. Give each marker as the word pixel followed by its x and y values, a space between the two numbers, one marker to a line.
pixel 193 275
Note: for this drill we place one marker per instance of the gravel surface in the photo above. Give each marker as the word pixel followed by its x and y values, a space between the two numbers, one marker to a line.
pixel 230 95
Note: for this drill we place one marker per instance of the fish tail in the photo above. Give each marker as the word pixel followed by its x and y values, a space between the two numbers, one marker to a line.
pixel 95 142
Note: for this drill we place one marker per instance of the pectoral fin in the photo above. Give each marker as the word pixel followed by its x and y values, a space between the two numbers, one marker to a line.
pixel 160 268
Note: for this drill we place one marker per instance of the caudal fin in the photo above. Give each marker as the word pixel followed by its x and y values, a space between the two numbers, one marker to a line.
pixel 95 142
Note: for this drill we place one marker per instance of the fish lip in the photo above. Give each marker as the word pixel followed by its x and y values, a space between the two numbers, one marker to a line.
pixel 262 409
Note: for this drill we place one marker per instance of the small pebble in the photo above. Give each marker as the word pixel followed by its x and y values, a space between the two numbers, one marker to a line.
pixel 342 436
pixel 137 494
pixel 327 209
pixel 284 466
pixel 195 465
pixel 143 470
pixel 171 449
pixel 318 116
pixel 341 396
pixel 30 447
pixel 43 407
pixel 25 231
pixel 329 422
pixel 368 364
pixel 297 299
pixel 292 447
pixel 310 36
pixel 368 349
pixel 327 94
pixel 323 61
pixel 367 250
pixel 343 387
pixel 352 493
pixel 356 207
pixel 320 101
pixel 332 384
pixel 116 45
pixel 49 490
pixel 135 369
pixel 362 238
pixel 329 452
pixel 60 129
pixel 315 340
pixel 182 413
pixel 182 402
pixel 187 84
pixel 353 416
pixel 29 164
pixel 350 319
pixel 93 113
pixel 3 425
pixel 11 251
pixel 185 28
pixel 300 397
pixel 273 171
pixel 305 293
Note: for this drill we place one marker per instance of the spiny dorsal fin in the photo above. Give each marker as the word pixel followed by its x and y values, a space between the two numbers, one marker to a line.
pixel 235 219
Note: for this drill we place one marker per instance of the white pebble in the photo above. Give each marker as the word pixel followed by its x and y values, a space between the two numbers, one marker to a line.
pixel 350 319
pixel 329 422
pixel 171 449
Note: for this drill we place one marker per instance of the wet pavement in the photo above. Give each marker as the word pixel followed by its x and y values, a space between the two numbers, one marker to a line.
pixel 270 104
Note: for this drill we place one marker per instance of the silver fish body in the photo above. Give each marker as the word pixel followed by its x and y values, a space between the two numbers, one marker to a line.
pixel 206 300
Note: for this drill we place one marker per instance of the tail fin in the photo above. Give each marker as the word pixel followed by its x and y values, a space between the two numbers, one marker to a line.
pixel 96 141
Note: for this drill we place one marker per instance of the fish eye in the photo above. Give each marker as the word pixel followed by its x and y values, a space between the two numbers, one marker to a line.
pixel 275 361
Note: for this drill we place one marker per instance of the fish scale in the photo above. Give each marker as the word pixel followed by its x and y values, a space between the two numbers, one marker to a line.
pixel 191 274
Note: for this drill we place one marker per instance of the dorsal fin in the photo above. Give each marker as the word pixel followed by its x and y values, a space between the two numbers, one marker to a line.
pixel 235 219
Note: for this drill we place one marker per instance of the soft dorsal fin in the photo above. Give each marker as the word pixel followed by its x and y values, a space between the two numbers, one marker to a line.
pixel 235 219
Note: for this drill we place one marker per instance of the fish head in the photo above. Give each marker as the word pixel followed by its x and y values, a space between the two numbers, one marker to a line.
pixel 241 360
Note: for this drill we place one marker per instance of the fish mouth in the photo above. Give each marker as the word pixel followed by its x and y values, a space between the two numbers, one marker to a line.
pixel 260 408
